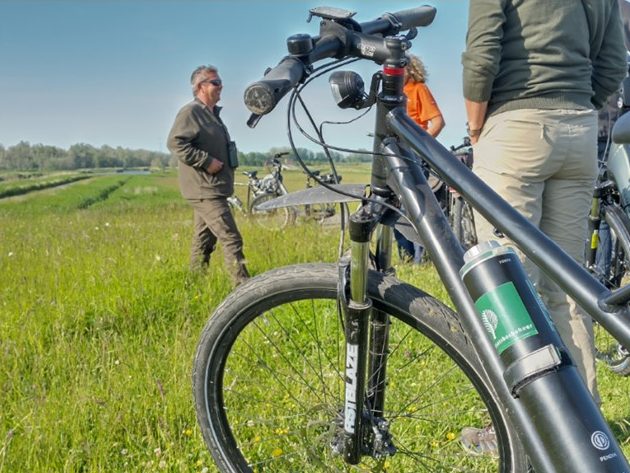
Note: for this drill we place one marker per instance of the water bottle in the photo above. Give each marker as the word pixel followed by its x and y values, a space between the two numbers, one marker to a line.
pixel 537 367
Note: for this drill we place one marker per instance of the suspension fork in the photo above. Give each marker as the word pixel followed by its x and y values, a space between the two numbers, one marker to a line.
pixel 356 307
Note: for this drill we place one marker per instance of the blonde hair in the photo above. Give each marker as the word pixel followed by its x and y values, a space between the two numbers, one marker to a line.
pixel 415 69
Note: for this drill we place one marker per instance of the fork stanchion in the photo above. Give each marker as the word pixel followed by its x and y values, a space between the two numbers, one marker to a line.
pixel 356 309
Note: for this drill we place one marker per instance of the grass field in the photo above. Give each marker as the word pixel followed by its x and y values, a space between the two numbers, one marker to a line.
pixel 99 320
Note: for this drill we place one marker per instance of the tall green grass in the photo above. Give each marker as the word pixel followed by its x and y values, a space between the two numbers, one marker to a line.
pixel 100 317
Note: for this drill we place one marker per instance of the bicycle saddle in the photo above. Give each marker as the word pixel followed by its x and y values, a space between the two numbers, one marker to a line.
pixel 250 174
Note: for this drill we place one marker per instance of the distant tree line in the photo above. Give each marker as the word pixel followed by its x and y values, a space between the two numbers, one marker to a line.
pixel 26 157
pixel 256 158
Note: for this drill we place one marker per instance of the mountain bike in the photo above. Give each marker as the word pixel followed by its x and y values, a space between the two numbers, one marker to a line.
pixel 261 190
pixel 343 367
pixel 609 261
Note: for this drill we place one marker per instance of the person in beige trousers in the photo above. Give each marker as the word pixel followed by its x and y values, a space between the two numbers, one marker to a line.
pixel 534 73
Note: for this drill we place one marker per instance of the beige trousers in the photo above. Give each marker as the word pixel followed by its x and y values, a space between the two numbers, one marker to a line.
pixel 544 163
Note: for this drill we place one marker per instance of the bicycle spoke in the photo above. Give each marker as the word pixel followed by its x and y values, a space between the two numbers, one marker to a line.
pixel 283 386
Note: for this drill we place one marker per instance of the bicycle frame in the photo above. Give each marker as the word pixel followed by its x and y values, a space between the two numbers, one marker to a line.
pixel 546 401
pixel 559 421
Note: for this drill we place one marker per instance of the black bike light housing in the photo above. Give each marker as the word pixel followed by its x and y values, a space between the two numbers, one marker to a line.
pixel 347 88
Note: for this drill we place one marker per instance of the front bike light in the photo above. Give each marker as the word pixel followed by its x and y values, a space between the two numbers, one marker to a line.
pixel 348 89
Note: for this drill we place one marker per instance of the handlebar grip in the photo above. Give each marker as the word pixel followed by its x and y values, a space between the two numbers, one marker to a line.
pixel 420 16
pixel 394 23
pixel 261 97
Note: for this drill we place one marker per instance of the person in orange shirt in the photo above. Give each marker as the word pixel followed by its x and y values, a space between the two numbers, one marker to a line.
pixel 422 109
pixel 421 106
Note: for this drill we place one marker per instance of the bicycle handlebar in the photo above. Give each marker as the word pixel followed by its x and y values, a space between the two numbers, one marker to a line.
pixel 465 144
pixel 335 40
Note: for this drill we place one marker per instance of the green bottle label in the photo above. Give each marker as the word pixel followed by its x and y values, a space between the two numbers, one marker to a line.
pixel 505 317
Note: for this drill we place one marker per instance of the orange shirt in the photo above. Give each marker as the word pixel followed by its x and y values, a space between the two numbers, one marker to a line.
pixel 421 106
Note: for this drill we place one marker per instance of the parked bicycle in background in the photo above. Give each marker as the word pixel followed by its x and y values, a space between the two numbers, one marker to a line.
pixel 261 190
pixel 320 212
pixel 607 253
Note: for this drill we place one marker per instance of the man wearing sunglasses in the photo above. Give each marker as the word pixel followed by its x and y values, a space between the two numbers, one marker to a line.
pixel 207 159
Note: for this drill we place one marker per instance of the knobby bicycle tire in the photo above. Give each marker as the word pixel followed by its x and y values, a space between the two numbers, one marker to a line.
pixel 462 221
pixel 268 380
pixel 275 219
pixel 607 349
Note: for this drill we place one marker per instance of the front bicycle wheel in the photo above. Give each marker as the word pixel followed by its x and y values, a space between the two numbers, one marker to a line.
pixel 269 380
pixel 275 219
pixel 613 268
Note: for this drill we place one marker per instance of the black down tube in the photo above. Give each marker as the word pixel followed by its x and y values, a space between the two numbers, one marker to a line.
pixel 407 180
pixel 545 253
pixel 555 416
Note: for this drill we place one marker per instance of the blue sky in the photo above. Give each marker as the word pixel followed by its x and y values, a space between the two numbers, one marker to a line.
pixel 116 71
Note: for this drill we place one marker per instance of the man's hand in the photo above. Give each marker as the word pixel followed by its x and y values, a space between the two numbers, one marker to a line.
pixel 215 166
pixel 476 113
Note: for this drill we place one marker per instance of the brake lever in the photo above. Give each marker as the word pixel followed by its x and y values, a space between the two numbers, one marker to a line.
pixel 253 120
pixel 412 33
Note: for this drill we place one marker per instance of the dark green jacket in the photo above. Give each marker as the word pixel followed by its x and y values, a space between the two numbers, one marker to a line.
pixel 197 136
pixel 548 54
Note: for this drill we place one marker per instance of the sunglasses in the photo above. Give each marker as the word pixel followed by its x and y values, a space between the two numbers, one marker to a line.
pixel 215 82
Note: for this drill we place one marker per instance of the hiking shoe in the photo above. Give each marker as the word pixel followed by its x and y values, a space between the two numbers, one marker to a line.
pixel 480 441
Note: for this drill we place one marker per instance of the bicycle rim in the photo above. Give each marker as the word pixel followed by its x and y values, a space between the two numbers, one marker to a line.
pixel 462 221
pixel 268 381
pixel 320 212
pixel 468 226
pixel 455 217
pixel 275 219
pixel 607 349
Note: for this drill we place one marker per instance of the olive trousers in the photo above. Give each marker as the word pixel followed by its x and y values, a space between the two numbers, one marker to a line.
pixel 213 221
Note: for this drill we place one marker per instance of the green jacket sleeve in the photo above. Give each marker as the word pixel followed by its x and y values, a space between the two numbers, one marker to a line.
pixel 181 141
pixel 483 48
pixel 609 63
